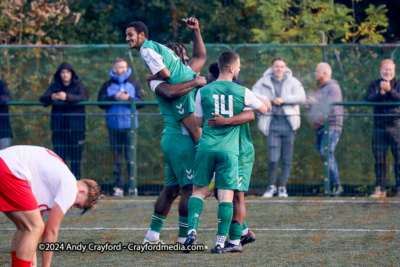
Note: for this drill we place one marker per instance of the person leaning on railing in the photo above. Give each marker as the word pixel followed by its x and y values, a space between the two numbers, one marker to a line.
pixel 386 126
pixel 122 88
pixel 5 126
pixel 67 121
pixel 328 91
pixel 279 86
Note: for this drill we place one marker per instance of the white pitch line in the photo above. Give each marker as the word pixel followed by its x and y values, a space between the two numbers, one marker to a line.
pixel 275 201
pixel 214 229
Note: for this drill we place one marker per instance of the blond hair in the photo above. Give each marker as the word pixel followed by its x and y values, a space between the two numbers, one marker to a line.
pixel 93 194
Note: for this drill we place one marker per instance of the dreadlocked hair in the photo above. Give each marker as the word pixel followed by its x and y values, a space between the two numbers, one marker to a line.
pixel 177 48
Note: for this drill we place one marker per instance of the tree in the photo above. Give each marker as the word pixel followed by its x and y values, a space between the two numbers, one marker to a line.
pixel 295 21
pixel 31 22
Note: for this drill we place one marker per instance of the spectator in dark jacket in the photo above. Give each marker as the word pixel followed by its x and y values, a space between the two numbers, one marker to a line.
pixel 386 125
pixel 5 127
pixel 329 91
pixel 122 88
pixel 67 121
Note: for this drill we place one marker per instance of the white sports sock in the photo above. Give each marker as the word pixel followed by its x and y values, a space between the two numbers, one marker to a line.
pixel 181 240
pixel 245 231
pixel 192 230
pixel 221 240
pixel 152 236
pixel 235 242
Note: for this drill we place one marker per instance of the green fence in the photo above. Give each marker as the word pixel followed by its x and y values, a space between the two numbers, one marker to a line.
pixel 144 175
pixel 29 70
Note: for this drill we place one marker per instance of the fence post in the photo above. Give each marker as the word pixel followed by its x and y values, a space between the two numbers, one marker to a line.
pixel 132 150
pixel 326 155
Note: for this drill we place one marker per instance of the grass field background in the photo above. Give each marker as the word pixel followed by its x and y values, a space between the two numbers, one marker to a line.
pixel 290 232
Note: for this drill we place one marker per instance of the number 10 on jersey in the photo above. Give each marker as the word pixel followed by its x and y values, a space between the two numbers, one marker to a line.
pixel 219 101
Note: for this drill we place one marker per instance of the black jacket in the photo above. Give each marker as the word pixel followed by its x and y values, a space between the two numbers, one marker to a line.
pixel 373 95
pixel 76 91
pixel 5 127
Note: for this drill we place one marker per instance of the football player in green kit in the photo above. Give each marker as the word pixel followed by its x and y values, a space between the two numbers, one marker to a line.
pixel 177 145
pixel 218 148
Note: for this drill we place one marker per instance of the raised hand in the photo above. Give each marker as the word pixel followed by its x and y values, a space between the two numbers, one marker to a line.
pixel 191 23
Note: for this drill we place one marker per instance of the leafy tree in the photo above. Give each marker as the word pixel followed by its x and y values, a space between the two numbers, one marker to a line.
pixel 31 22
pixel 295 21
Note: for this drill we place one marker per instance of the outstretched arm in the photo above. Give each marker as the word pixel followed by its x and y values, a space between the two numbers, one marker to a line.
pixel 199 50
pixel 174 91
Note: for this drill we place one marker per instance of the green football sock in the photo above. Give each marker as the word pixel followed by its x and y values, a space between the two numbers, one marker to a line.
pixel 183 226
pixel 244 225
pixel 195 207
pixel 157 222
pixel 235 231
pixel 225 212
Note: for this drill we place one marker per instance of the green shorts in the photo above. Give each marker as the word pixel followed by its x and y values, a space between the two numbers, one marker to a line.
pixel 245 169
pixel 225 166
pixel 179 155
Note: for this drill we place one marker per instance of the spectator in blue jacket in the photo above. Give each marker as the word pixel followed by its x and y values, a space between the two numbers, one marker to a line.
pixel 121 87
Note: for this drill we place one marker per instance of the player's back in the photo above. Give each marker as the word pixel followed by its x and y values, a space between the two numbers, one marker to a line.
pixel 179 72
pixel 227 99
pixel 46 173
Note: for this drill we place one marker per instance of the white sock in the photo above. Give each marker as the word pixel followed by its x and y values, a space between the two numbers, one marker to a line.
pixel 245 231
pixel 235 242
pixel 221 240
pixel 152 235
pixel 181 240
pixel 192 230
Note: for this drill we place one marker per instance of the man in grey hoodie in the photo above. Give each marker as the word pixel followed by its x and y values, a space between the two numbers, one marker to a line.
pixel 328 92
pixel 280 87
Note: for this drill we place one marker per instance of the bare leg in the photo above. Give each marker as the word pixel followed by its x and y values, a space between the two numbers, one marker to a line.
pixel 239 208
pixel 30 227
pixel 165 199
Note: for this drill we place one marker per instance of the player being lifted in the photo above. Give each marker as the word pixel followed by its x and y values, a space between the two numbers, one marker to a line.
pixel 218 148
pixel 176 102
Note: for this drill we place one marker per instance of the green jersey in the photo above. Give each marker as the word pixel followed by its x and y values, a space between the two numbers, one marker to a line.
pixel 227 99
pixel 156 57
pixel 246 148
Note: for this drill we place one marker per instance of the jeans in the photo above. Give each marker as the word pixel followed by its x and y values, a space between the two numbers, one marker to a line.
pixel 69 145
pixel 333 141
pixel 119 141
pixel 280 144
pixel 382 138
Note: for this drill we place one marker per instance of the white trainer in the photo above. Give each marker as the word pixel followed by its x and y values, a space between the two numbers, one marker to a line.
pixel 271 190
pixel 282 192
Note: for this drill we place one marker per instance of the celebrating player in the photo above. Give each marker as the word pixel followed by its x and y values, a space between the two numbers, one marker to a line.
pixel 176 143
pixel 219 147
pixel 33 180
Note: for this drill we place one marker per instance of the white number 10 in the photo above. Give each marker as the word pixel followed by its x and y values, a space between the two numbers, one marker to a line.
pixel 219 100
